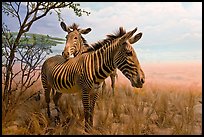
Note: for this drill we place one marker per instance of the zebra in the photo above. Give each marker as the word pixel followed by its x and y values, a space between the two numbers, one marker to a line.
pixel 132 40
pixel 85 70
pixel 74 40
pixel 76 45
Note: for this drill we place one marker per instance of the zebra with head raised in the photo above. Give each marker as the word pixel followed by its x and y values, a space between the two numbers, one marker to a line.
pixel 83 71
pixel 75 43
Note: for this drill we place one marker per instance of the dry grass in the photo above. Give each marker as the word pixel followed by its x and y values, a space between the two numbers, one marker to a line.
pixel 150 110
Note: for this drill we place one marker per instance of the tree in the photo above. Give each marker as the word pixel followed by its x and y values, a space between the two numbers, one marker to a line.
pixel 34 11
pixel 30 53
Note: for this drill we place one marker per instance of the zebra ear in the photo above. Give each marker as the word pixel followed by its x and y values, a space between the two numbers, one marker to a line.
pixel 63 26
pixel 135 38
pixel 85 31
pixel 128 35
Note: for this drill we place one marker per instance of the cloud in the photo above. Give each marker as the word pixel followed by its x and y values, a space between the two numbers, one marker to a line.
pixel 160 22
pixel 165 25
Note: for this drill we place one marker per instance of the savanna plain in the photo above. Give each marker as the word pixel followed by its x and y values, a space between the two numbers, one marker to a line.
pixel 169 103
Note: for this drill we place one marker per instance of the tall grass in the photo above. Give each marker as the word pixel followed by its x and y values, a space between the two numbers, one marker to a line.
pixel 150 110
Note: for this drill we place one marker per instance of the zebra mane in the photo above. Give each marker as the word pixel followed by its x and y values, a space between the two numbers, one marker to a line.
pixel 118 34
pixel 100 44
pixel 74 26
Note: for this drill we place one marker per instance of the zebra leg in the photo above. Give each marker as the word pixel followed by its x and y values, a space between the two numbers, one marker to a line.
pixel 103 87
pixel 56 98
pixel 112 76
pixel 47 99
pixel 86 104
pixel 93 99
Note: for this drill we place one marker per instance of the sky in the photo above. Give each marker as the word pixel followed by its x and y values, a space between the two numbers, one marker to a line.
pixel 172 31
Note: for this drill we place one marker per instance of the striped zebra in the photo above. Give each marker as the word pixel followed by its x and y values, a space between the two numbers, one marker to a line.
pixel 76 45
pixel 84 71
pixel 132 40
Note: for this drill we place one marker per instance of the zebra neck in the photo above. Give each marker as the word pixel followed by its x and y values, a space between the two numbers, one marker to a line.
pixel 111 52
pixel 77 53
pixel 104 60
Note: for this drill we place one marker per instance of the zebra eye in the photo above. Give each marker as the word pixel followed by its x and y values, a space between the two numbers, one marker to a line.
pixel 129 53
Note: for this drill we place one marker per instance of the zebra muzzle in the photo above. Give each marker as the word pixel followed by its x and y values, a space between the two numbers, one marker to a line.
pixel 137 81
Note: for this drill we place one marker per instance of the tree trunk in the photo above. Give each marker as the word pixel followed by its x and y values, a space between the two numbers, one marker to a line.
pixel 7 91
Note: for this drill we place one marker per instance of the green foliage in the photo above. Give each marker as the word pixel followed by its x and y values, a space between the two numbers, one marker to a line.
pixel 12 8
pixel 38 40
pixel 77 10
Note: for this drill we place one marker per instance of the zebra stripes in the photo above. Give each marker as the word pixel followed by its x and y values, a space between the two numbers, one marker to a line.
pixel 84 71
pixel 72 49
